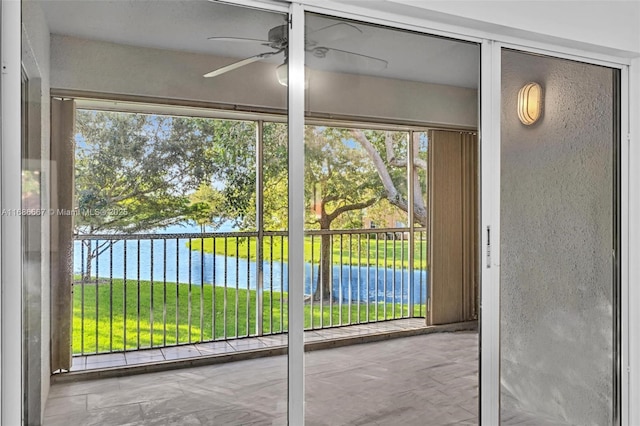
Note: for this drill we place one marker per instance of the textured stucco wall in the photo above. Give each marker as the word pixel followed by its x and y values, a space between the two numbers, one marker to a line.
pixel 557 228
pixel 89 65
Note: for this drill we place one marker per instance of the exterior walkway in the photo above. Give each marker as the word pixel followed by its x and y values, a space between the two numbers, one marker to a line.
pixel 428 379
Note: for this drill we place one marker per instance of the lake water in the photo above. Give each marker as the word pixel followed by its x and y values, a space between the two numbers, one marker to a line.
pixel 180 264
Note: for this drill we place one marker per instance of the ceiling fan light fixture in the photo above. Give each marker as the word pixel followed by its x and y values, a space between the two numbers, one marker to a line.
pixel 282 72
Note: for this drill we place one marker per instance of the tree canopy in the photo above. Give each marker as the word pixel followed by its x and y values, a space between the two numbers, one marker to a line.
pixel 163 169
pixel 132 171
pixel 136 172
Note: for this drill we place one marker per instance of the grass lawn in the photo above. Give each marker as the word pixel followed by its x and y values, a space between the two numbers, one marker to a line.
pixel 127 315
pixel 383 253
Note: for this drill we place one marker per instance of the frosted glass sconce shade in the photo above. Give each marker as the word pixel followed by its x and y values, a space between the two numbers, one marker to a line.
pixel 530 103
pixel 282 72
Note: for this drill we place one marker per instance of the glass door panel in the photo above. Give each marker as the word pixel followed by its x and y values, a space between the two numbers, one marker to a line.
pixel 170 245
pixel 374 95
pixel 559 241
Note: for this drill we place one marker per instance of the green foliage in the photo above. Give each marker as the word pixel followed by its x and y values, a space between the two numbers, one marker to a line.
pixel 276 176
pixel 233 156
pixel 340 180
pixel 149 171
pixel 132 171
pixel 206 203
pixel 275 183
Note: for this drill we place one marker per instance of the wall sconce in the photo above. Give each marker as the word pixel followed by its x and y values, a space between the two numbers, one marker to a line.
pixel 530 103
pixel 282 72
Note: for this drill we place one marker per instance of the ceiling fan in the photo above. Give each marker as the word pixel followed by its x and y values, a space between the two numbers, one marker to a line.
pixel 277 40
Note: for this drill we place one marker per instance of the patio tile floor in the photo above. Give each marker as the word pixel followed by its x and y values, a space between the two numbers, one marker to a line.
pixel 427 379
pixel 196 350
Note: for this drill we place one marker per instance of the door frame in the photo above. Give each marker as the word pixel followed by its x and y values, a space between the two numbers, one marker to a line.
pixel 11 335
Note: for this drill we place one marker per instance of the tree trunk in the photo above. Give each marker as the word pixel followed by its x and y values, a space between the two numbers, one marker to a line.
pixel 86 273
pixel 324 281
pixel 92 253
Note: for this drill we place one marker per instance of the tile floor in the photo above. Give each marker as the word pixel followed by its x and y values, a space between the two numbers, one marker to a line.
pixel 230 347
pixel 429 379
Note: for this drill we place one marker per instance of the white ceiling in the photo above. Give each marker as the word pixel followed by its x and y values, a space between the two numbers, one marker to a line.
pixel 186 25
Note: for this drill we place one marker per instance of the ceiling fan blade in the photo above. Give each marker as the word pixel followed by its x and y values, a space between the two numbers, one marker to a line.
pixel 334 32
pixel 232 67
pixel 239 39
pixel 357 59
pixel 239 64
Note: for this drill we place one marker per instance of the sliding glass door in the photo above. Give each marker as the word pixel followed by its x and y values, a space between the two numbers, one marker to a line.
pixel 169 206
pixel 390 155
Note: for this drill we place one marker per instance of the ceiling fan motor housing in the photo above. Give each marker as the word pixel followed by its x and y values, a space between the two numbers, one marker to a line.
pixel 278 36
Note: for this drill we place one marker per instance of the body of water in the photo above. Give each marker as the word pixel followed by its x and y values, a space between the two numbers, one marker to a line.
pixel 171 260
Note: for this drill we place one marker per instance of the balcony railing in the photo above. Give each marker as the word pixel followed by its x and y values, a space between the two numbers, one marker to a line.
pixel 146 291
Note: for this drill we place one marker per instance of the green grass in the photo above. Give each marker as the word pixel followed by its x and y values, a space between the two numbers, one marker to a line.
pixel 383 253
pixel 112 310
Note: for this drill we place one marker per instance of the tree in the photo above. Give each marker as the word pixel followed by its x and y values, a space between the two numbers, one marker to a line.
pixel 275 166
pixel 206 202
pixel 344 175
pixel 276 176
pixel 133 171
pixel 339 179
pixel 396 160
pixel 234 176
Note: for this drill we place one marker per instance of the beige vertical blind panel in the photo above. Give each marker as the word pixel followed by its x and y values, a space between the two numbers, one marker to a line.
pixel 62 184
pixel 453 226
pixel 470 236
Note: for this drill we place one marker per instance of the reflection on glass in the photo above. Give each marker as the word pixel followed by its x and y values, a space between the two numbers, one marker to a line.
pixel 31 189
pixel 373 94
pixel 31 217
pixel 169 218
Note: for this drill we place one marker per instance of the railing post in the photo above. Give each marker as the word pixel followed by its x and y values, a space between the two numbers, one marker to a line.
pixel 260 227
pixel 411 145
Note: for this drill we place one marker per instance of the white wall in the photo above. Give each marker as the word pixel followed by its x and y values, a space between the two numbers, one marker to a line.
pixel 596 25
pixel 35 58
pixel 374 97
pixel 89 65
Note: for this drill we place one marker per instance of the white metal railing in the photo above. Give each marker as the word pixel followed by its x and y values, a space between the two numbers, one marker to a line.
pixel 155 290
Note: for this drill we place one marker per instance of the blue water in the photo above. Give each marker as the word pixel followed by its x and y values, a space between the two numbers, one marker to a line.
pixel 349 282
